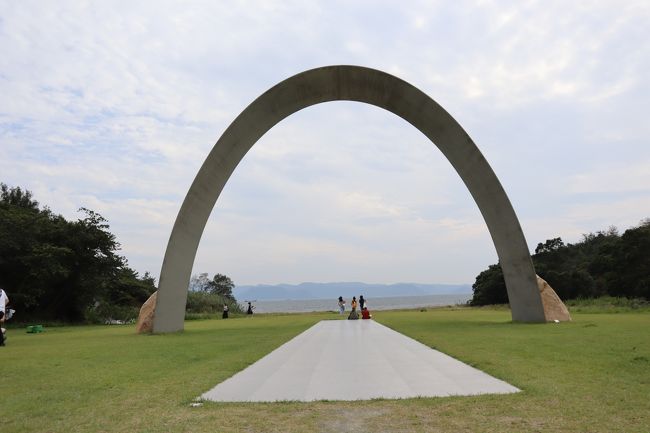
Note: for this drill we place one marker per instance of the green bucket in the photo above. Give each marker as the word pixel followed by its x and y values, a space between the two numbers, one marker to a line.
pixel 34 329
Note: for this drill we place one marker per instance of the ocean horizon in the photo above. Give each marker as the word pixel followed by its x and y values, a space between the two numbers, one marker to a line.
pixel 373 303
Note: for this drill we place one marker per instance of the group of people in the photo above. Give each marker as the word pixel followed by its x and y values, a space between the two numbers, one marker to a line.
pixel 355 305
pixel 249 310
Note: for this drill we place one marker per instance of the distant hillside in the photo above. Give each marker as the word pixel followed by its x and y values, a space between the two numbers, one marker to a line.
pixel 346 289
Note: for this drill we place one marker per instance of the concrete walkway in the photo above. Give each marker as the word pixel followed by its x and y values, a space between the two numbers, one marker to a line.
pixel 354 360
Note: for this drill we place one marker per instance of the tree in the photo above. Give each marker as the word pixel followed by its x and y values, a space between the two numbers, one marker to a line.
pixel 200 283
pixel 549 246
pixel 17 197
pixel 490 287
pixel 209 295
pixel 631 263
pixel 94 268
pixel 603 263
pixel 56 269
pixel 222 285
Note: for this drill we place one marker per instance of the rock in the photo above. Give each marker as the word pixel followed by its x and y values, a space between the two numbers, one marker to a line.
pixel 554 308
pixel 145 318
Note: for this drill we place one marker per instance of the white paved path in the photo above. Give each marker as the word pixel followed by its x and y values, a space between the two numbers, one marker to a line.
pixel 354 360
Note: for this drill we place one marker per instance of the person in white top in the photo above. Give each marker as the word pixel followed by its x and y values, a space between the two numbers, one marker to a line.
pixel 4 300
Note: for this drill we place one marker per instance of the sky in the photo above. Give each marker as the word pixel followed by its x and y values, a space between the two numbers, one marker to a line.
pixel 114 106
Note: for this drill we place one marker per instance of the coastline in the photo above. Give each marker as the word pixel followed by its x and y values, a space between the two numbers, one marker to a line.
pixel 374 303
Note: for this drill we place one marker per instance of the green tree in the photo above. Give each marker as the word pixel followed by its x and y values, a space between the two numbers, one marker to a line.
pixel 210 295
pixel 222 285
pixel 629 273
pixel 603 263
pixel 490 287
pixel 57 269
pixel 219 284
pixel 549 246
pixel 17 197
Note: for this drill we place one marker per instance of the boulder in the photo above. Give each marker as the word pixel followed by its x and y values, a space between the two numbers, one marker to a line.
pixel 554 308
pixel 145 318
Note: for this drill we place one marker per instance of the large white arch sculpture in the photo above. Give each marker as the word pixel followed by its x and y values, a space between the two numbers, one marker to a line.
pixel 351 83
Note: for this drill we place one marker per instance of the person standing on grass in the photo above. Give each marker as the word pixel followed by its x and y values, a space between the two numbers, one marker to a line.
pixel 354 314
pixel 250 309
pixel 341 305
pixel 225 312
pixel 4 300
pixel 2 330
pixel 362 302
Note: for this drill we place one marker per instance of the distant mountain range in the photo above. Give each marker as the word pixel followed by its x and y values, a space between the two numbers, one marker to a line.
pixel 345 289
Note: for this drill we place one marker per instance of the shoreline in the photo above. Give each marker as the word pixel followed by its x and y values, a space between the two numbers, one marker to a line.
pixel 374 304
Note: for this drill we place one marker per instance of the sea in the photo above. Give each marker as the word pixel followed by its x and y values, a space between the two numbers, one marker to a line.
pixel 384 303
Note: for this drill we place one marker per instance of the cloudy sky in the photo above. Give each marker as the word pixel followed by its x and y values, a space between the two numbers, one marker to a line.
pixel 114 106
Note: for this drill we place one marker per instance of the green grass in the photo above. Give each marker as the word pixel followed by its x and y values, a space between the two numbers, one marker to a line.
pixel 608 304
pixel 591 375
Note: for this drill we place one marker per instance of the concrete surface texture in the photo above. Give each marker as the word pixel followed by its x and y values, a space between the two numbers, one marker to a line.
pixel 354 360
pixel 351 83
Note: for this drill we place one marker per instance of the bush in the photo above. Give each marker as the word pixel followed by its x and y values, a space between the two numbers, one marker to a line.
pixel 105 313
pixel 608 304
pixel 209 303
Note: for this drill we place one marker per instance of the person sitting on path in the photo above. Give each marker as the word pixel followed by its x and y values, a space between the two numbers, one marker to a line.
pixel 365 313
pixel 341 305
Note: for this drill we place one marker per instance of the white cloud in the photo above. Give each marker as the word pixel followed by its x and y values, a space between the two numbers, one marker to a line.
pixel 631 177
pixel 369 205
pixel 114 106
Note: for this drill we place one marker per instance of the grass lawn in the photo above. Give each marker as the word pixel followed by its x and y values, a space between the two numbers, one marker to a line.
pixel 591 375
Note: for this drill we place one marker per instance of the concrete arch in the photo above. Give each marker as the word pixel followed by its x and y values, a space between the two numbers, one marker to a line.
pixel 352 83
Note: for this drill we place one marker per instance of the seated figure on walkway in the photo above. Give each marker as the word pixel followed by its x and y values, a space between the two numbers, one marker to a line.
pixel 365 313
pixel 354 304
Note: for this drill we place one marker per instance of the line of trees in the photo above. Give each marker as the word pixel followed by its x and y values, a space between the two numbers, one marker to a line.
pixel 604 263
pixel 70 271
pixel 208 296
pixel 60 270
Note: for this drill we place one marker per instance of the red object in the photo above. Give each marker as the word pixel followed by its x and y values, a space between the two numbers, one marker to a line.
pixel 365 314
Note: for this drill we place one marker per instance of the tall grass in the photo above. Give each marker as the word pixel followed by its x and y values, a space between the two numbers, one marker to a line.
pixel 209 304
pixel 608 304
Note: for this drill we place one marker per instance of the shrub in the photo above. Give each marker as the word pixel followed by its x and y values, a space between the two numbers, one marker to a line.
pixel 209 303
